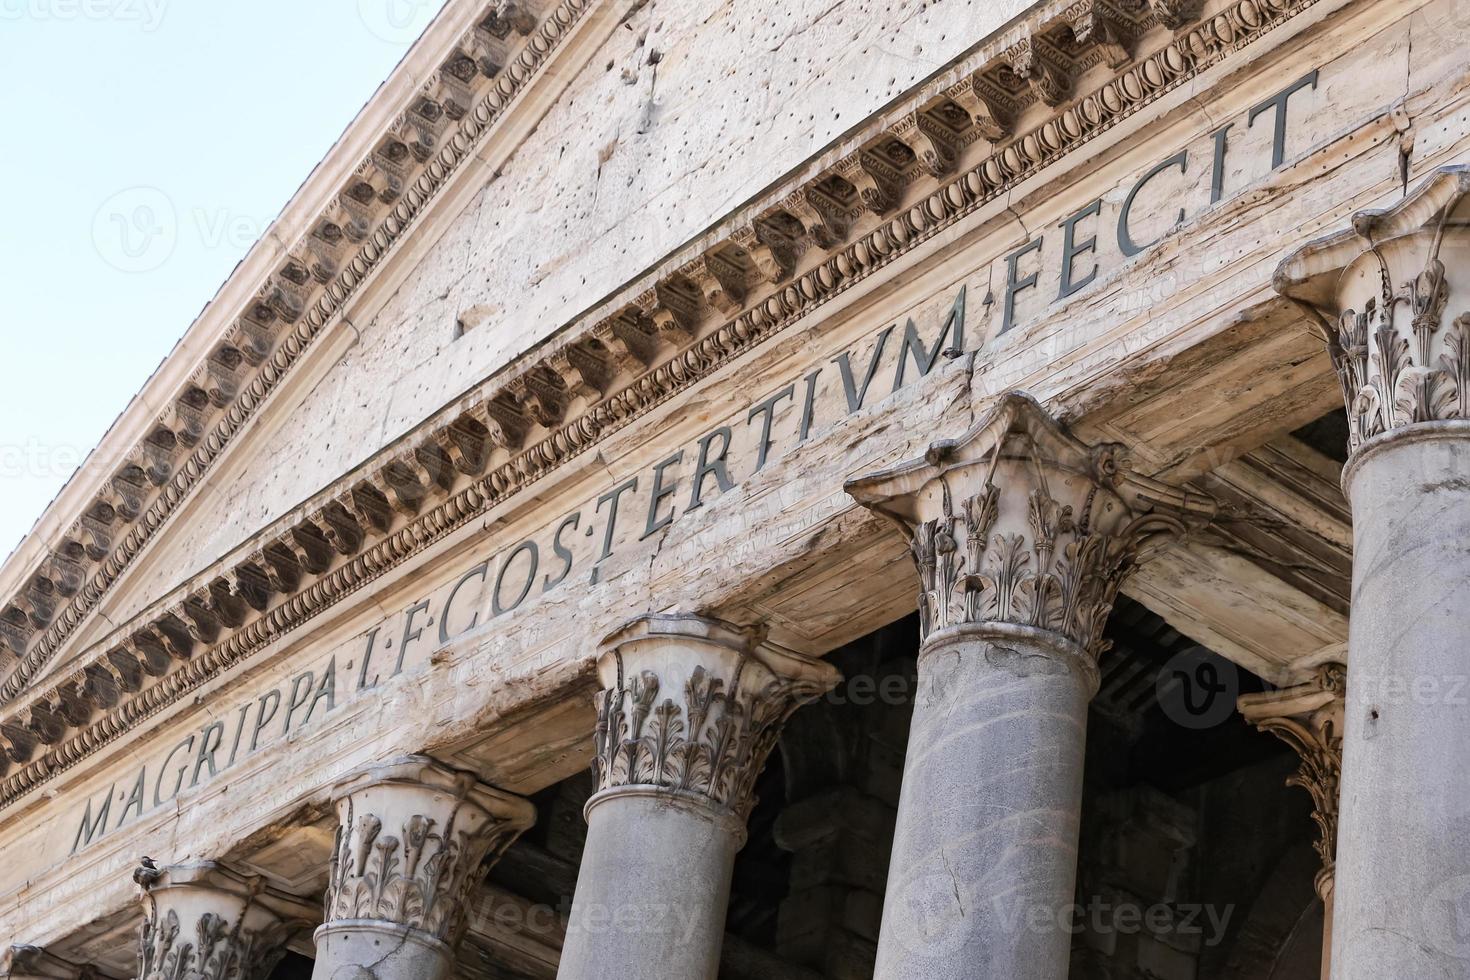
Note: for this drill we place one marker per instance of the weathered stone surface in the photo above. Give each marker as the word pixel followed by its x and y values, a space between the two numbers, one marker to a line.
pixel 459 622
pixel 1392 302
pixel 208 919
pixel 412 842
pixel 690 709
pixel 647 171
pixel 1021 535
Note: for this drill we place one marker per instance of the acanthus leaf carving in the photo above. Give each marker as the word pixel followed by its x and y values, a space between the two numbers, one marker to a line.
pixel 1029 59
pixel 1181 59
pixel 208 922
pixel 413 836
pixel 1019 522
pixel 1309 718
pixel 1174 14
pixel 1399 357
pixel 992 114
pixel 702 724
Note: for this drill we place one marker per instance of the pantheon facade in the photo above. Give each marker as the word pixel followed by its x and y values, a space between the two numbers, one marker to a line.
pixel 831 488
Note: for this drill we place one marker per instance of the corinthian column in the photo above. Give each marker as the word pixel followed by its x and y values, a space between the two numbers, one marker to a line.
pixel 1391 294
pixel 690 709
pixel 1308 717
pixel 413 838
pixel 208 920
pixel 1021 535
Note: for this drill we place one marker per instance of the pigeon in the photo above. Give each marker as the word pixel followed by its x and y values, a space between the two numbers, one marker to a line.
pixel 146 873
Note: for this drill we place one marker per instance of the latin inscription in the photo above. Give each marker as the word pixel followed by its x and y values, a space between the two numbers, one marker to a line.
pixel 580 546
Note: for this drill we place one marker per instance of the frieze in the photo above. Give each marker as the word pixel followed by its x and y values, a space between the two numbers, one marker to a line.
pixel 237 378
pixel 575 550
pixel 438 479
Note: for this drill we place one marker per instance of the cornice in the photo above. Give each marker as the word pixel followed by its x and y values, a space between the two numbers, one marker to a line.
pixel 718 299
pixel 294 284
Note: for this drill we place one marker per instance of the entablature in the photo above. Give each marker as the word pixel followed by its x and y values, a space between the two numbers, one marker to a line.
pixel 782 258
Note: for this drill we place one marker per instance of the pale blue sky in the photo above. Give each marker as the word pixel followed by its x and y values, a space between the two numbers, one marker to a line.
pixel 208 113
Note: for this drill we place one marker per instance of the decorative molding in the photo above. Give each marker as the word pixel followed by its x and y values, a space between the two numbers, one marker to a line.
pixel 694 706
pixel 207 921
pixel 1308 717
pixel 413 838
pixel 476 454
pixel 1019 522
pixel 439 130
pixel 1381 297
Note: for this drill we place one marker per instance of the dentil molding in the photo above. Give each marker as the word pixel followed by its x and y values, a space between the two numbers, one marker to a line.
pixel 660 336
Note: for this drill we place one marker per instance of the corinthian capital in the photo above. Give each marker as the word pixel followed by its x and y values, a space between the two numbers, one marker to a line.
pixel 692 706
pixel 1018 522
pixel 1308 717
pixel 412 838
pixel 207 920
pixel 1390 295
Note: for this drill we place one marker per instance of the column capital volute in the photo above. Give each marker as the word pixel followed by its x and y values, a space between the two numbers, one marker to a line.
pixel 206 916
pixel 1390 297
pixel 1308 716
pixel 691 706
pixel 1017 521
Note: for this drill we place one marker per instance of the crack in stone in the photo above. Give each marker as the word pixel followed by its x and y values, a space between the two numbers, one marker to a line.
pixel 954 882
